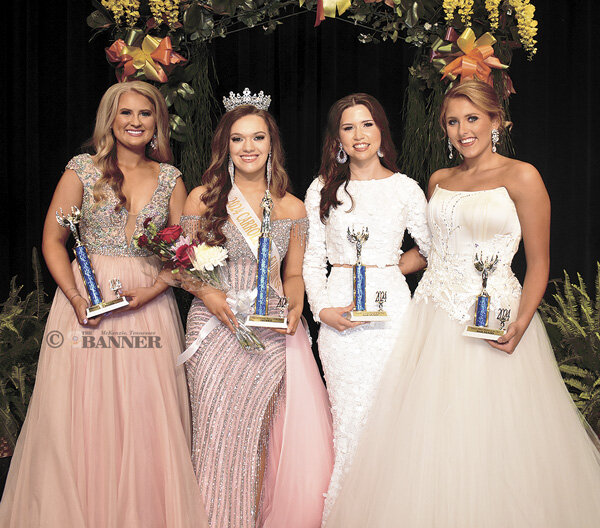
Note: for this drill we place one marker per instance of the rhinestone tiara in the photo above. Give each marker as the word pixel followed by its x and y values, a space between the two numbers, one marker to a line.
pixel 261 101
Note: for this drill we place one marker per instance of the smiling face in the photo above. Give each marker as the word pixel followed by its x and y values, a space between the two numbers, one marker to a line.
pixel 249 144
pixel 135 122
pixel 469 128
pixel 359 134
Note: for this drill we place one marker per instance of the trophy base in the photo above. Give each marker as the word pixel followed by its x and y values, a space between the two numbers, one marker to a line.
pixel 483 332
pixel 105 307
pixel 366 316
pixel 266 321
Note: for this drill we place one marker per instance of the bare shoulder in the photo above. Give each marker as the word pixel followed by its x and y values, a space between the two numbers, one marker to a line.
pixel 194 206
pixel 291 207
pixel 436 178
pixel 523 179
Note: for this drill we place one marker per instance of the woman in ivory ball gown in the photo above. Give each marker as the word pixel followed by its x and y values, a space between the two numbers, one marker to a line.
pixel 465 432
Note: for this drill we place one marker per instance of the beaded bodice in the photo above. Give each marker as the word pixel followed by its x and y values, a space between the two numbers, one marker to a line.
pixel 102 229
pixel 462 225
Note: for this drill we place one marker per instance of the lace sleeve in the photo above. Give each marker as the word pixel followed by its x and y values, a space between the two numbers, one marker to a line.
pixel 416 217
pixel 190 225
pixel 314 269
pixel 299 231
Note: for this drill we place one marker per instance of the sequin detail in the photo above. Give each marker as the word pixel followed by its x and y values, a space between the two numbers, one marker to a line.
pixel 102 229
pixel 234 394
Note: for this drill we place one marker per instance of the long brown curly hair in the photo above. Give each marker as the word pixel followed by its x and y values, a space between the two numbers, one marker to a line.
pixel 216 178
pixel 104 142
pixel 335 174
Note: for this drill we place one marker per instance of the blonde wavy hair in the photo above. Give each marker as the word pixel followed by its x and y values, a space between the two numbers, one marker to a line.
pixel 104 144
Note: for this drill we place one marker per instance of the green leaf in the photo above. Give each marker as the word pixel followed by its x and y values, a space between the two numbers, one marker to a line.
pixel 192 17
pixel 98 20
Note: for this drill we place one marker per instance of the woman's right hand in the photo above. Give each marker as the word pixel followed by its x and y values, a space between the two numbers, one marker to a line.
pixel 80 306
pixel 216 302
pixel 334 317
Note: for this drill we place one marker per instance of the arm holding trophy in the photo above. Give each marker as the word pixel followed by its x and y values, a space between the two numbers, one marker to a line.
pixel 68 193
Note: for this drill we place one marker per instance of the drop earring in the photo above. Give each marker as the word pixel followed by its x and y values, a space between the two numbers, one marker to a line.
pixel 450 149
pixel 341 156
pixel 495 139
pixel 231 170
pixel 379 153
pixel 154 142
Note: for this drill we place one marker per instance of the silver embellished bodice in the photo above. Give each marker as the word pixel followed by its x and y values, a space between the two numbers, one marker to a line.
pixel 102 229
pixel 463 225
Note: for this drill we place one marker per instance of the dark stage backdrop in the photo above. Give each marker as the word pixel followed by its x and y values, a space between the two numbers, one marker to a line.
pixel 53 80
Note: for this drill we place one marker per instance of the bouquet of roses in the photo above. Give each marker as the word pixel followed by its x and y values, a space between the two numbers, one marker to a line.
pixel 194 265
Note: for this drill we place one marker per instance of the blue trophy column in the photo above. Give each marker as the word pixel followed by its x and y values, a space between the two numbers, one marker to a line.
pixel 88 275
pixel 360 288
pixel 262 276
pixel 482 310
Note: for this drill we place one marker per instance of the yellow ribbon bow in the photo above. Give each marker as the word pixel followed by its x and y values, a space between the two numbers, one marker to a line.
pixel 146 58
pixel 477 60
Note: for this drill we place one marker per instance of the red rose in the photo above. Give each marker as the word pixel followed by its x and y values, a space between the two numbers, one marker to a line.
pixel 182 257
pixel 142 241
pixel 147 221
pixel 170 234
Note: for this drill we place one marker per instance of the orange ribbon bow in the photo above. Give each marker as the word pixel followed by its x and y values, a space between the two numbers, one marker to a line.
pixel 146 58
pixel 477 60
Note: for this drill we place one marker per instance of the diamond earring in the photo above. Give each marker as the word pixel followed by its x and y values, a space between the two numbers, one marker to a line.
pixel 154 142
pixel 495 139
pixel 450 149
pixel 269 170
pixel 231 170
pixel 379 153
pixel 341 156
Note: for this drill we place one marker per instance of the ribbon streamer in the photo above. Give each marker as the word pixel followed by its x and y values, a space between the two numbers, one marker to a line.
pixel 145 58
pixel 465 56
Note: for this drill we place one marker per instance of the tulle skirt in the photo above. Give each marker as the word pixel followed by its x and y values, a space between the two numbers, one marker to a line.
pixel 464 436
pixel 106 439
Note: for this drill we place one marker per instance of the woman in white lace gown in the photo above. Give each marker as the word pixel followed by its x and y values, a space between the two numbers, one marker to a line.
pixel 468 433
pixel 359 189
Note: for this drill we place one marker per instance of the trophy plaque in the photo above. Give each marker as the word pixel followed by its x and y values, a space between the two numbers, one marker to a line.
pixel 261 316
pixel 480 327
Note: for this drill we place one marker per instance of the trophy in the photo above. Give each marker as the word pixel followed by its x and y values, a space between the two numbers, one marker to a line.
pixel 98 306
pixel 482 307
pixel 261 316
pixel 359 279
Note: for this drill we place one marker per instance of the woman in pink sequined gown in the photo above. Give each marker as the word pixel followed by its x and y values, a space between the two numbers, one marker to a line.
pixel 105 442
pixel 262 436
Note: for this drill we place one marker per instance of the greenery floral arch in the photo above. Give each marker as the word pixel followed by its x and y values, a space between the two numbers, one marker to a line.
pixel 167 42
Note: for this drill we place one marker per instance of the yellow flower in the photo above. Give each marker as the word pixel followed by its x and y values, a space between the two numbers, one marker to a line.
pixel 464 7
pixel 128 9
pixel 493 14
pixel 165 11
pixel 526 24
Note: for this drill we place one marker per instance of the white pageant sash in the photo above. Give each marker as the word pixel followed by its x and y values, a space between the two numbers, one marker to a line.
pixel 245 219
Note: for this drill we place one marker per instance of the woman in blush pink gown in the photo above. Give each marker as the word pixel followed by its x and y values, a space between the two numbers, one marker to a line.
pixel 262 435
pixel 106 440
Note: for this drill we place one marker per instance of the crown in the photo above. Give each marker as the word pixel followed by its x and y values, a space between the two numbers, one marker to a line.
pixel 261 101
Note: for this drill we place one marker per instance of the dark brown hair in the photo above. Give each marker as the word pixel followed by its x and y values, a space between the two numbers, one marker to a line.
pixel 216 178
pixel 335 174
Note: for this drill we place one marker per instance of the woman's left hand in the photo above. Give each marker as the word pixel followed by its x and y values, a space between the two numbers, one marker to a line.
pixel 293 316
pixel 509 341
pixel 137 297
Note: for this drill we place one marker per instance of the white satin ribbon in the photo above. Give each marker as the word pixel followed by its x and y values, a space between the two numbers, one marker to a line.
pixel 240 302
